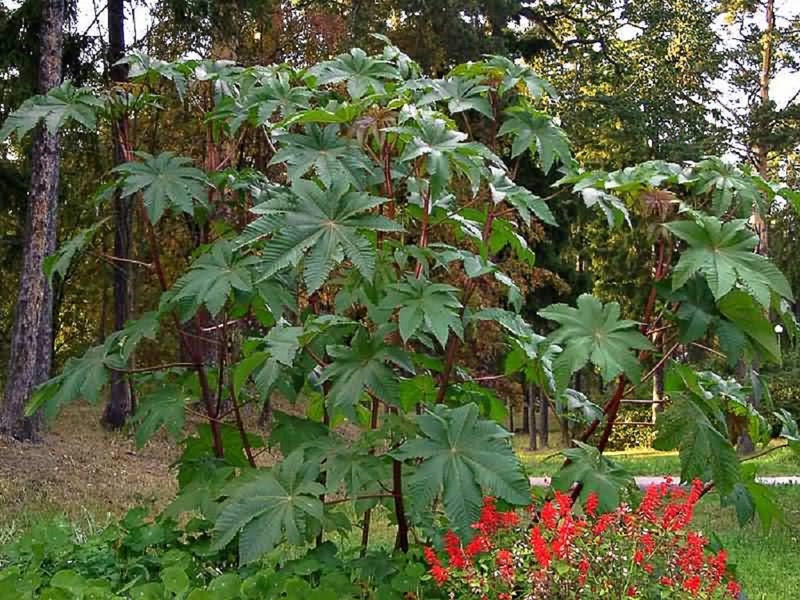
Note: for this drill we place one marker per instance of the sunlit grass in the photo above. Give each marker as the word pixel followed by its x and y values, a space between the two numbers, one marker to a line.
pixel 645 461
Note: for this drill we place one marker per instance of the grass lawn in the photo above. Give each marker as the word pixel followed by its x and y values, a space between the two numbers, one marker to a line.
pixel 643 461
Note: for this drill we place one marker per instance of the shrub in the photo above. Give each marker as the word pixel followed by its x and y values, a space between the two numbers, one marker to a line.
pixel 556 553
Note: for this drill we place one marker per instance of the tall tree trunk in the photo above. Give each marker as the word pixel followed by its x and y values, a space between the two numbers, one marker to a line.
pixel 544 419
pixel 32 335
pixel 761 151
pixel 119 402
pixel 531 408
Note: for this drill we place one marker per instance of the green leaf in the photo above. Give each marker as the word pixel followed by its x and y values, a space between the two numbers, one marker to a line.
pixel 289 432
pixel 536 132
pixel 322 226
pixel 743 311
pixel 333 156
pixel 460 94
pixel 502 188
pixel 211 279
pixel 163 407
pixel 596 474
pixel 425 306
pixel 728 186
pixel 81 379
pixel 125 341
pixel 704 451
pixel 723 254
pixel 462 457
pixel 58 107
pixel 364 365
pixel 594 332
pixel 175 580
pixel 166 181
pixel 751 499
pixel 362 73
pixel 280 504
pixel 59 262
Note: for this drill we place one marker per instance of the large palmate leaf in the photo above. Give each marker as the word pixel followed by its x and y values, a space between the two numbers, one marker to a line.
pixel 595 473
pixel 723 254
pixel 536 132
pixel 166 181
pixel 704 450
pixel 81 378
pixel 460 94
pixel 750 499
pixel 515 74
pixel 729 187
pixel 445 151
pixel 165 406
pixel 594 332
pixel 211 279
pixel 322 226
pixel 332 156
pixel 362 73
pixel 58 107
pixel 743 312
pixel 462 457
pixel 281 503
pixel 365 365
pixel 502 188
pixel 426 306
pixel 266 366
pixel 60 261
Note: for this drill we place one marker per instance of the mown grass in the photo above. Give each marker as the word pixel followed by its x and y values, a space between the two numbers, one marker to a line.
pixel 645 461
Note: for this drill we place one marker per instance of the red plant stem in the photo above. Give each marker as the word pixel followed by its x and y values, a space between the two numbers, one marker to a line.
pixel 197 363
pixel 452 340
pixel 373 424
pixel 242 431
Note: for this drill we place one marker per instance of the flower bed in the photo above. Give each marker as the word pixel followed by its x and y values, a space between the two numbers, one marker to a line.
pixel 560 551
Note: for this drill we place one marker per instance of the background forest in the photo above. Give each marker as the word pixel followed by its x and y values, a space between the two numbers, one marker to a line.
pixel 415 226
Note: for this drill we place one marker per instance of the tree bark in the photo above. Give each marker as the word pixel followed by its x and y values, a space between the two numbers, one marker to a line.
pixel 32 336
pixel 531 393
pixel 761 152
pixel 544 420
pixel 119 404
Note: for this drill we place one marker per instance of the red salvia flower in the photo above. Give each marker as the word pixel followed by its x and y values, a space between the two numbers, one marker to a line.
pixel 592 503
pixel 549 515
pixel 540 549
pixel 455 555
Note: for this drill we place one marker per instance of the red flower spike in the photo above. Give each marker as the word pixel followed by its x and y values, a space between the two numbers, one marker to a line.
pixel 549 515
pixel 439 574
pixel 592 504
pixel 455 555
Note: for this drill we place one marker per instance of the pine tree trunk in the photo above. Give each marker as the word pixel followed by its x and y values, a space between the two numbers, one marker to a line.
pixel 544 420
pixel 761 151
pixel 32 336
pixel 531 416
pixel 119 402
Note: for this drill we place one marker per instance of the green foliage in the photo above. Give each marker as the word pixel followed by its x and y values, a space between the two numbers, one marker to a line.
pixel 384 229
pixel 279 503
pixel 426 307
pixel 594 332
pixel 57 108
pixel 461 454
pixel 319 225
pixel 595 473
pixel 723 254
pixel 364 366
